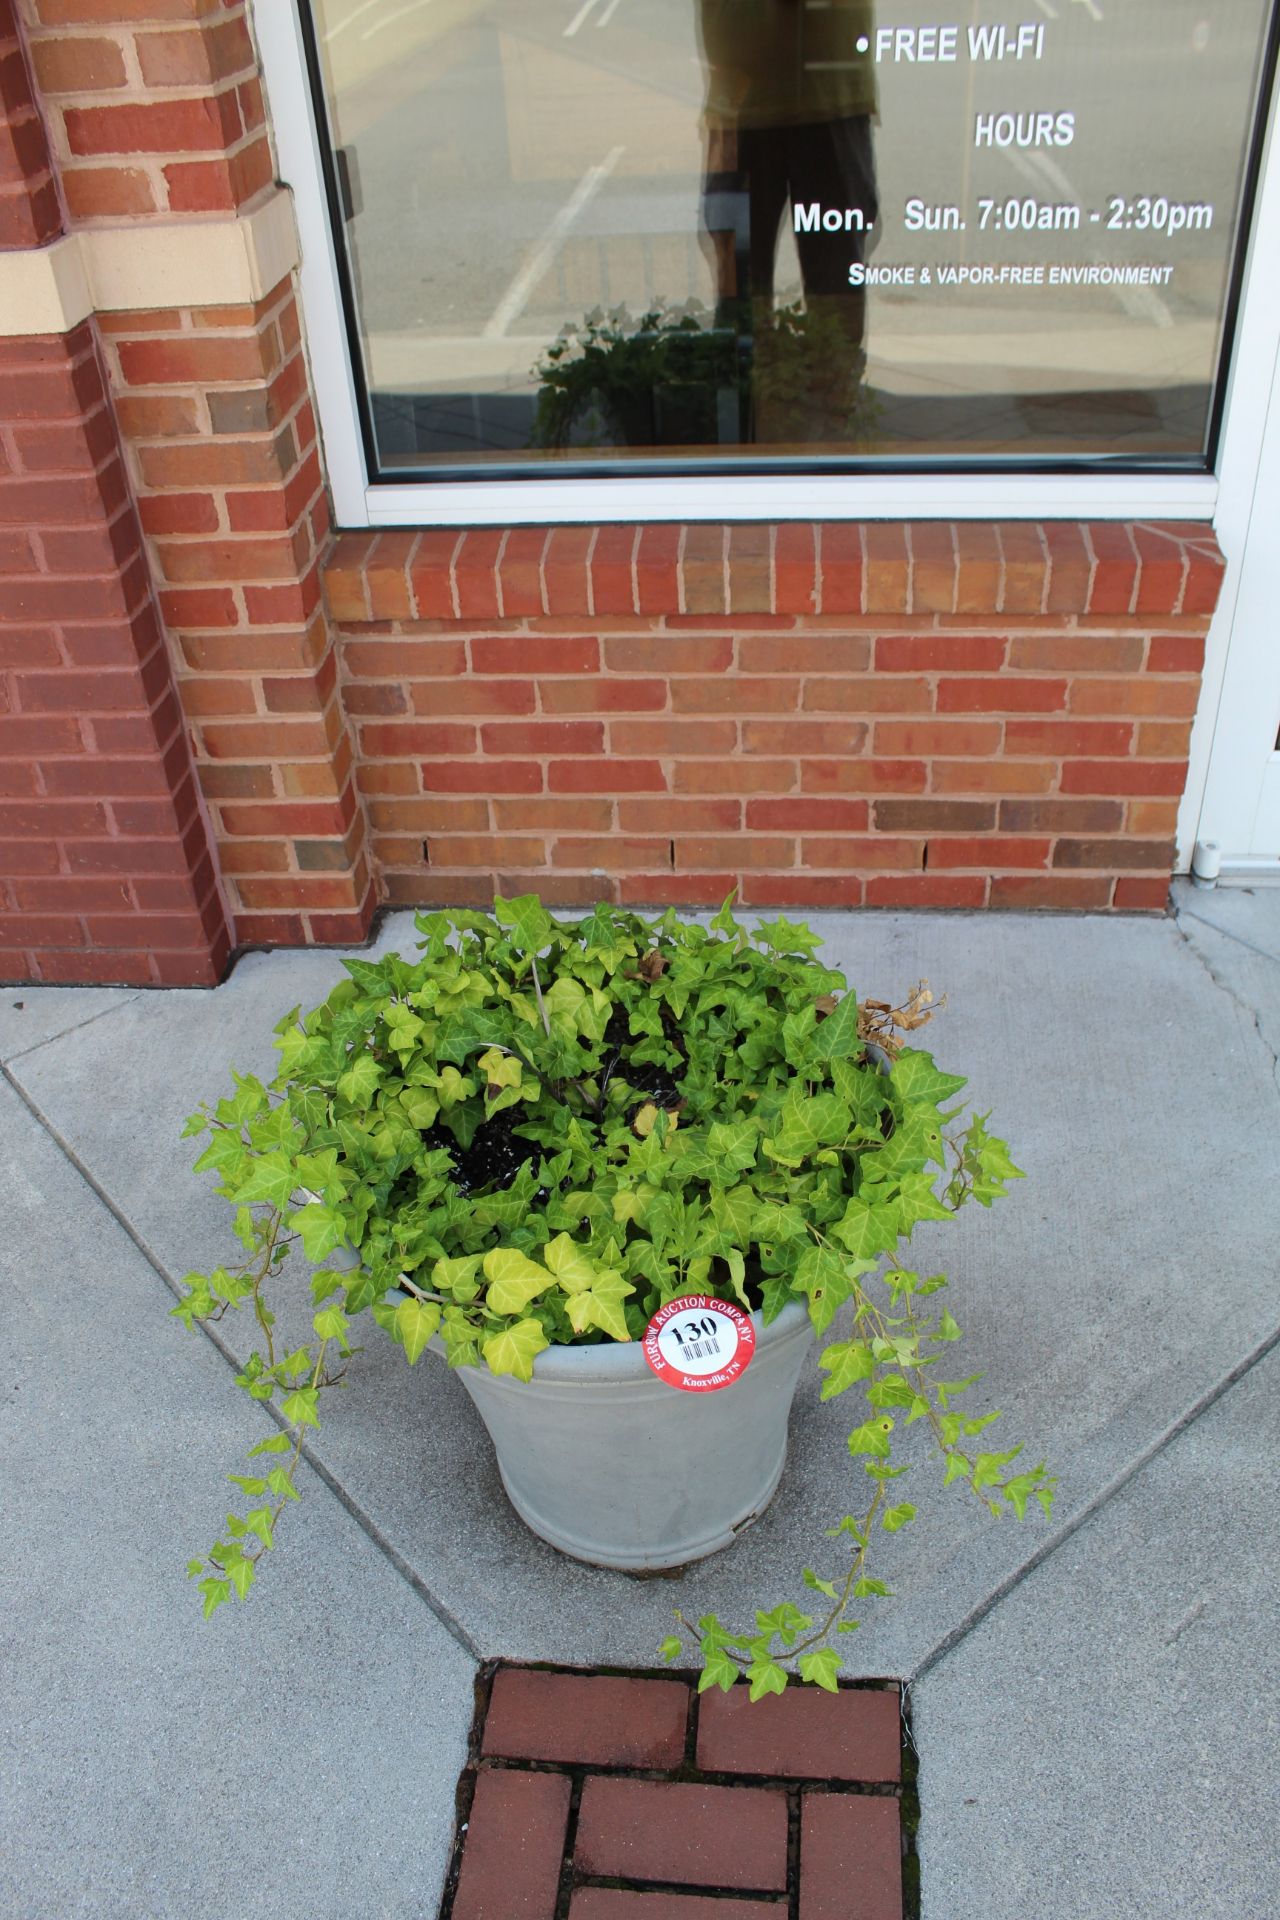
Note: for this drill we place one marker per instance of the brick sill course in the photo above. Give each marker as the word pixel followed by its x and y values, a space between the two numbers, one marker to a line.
pixel 623 1796
pixel 883 715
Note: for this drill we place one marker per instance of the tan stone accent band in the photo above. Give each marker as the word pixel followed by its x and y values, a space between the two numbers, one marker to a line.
pixel 141 265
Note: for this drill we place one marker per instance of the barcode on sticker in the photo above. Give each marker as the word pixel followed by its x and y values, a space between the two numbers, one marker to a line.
pixel 701 1349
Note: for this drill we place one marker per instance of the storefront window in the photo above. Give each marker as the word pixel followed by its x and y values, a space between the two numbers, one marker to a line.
pixel 741 235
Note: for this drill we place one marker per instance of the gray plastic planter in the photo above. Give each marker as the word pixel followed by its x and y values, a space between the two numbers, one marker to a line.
pixel 614 1467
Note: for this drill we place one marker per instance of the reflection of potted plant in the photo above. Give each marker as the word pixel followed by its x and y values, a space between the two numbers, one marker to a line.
pixel 655 381
pixel 675 378
pixel 535 1138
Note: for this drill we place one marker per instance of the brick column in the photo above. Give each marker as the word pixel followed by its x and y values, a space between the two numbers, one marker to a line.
pixel 155 113
pixel 105 868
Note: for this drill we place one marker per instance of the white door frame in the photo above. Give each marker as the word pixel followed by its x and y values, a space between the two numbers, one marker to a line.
pixel 1233 742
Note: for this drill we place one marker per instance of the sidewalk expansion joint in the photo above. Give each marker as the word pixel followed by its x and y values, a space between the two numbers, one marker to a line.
pixel 1103 1498
pixel 117 1006
pixel 1251 1012
pixel 452 1626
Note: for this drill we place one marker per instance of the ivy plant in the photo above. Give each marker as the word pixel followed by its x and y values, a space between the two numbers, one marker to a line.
pixel 541 1130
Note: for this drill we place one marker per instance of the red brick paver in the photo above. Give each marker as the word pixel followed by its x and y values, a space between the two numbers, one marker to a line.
pixel 693 1835
pixel 598 1720
pixel 515 1844
pixel 802 1734
pixel 850 1858
pixel 632 1797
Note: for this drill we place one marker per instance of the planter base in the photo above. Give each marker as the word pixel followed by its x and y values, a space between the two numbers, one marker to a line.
pixel 613 1467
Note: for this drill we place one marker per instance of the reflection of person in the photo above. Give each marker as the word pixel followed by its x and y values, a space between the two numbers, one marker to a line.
pixel 790 101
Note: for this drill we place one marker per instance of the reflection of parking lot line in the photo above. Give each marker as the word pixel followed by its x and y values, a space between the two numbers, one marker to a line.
pixel 537 262
pixel 389 19
pixel 1142 303
pixel 608 13
pixel 357 13
pixel 1048 9
pixel 588 6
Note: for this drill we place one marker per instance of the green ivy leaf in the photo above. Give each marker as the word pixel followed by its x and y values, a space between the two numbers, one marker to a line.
pixel 515 1349
pixel 895 1518
pixel 416 1321
pixel 275 1443
pixel 215 1593
pixel 718 1670
pixel 766 1676
pixel 514 1280
pixel 299 1407
pixel 872 1437
pixel 917 1078
pixel 361 1080
pixel 847 1362
pixel 821 1668
pixel 671 1648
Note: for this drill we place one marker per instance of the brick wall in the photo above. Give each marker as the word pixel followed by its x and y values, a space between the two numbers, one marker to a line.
pixel 933 715
pixel 105 868
pixel 152 112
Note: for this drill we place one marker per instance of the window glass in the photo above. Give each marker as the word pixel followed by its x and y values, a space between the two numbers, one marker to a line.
pixel 733 234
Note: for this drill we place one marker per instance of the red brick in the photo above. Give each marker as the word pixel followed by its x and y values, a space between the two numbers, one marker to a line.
pixel 475 571
pixel 804 736
pixel 1009 694
pixel 736 776
pixel 691 1835
pixel 877 853
pixel 79 65
pixel 612 589
pixel 672 736
pixel 564 570
pixel 1154 777
pixel 795 568
pixel 671 815
pixel 1141 693
pixel 542 736
pixel 520 572
pixel 606 776
pixel 624 1903
pixel 735 693
pixel 1076 652
pixel 474 696
pixel 908 737
pixel 1142 896
pixel 828 653
pixel 743 853
pixel 657 570
pixel 604 695
pixel 703 569
pixel 850 1857
pixel 863 776
pixel 676 889
pixel 1176 653
pixel 866 694
pixel 927 890
pixel 935 816
pixel 588 1719
pixel 888 568
pixel 987 851
pixel 933 566
pixel 405 659
pixel 1114 853
pixel 515 1843
pixel 611 853
pixel 948 652
pixel 526 653
pixel 828 890
pixel 1164 567
pixel 538 811
pixel 1061 737
pixel 992 776
pixel 489 776
pixel 800 815
pixel 841 569
pixel 667 653
pixel 1074 893
pixel 1116 572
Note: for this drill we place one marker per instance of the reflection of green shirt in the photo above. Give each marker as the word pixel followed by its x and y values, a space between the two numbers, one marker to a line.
pixel 776 63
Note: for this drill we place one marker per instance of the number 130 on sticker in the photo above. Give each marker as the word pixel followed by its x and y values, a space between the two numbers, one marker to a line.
pixel 699 1344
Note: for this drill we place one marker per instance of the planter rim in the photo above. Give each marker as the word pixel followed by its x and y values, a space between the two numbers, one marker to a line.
pixel 617 1361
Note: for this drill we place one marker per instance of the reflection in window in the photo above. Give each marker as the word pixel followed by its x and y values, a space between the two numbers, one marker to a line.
pixel 719 232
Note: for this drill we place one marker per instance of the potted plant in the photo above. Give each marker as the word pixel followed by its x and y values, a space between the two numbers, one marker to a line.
pixel 576 1156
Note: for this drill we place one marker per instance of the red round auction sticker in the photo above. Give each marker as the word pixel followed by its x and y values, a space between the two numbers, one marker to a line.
pixel 699 1343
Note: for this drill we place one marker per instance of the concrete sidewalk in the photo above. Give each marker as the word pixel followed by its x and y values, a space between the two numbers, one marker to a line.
pixel 1095 1702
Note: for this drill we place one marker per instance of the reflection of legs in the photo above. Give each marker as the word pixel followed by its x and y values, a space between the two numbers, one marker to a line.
pixel 833 164
pixel 744 192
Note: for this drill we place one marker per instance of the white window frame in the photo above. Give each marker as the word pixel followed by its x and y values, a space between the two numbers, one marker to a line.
pixel 542 500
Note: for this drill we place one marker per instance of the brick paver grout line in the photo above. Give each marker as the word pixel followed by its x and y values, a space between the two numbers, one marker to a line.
pixel 65 1033
pixel 368 1526
pixel 1101 1499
